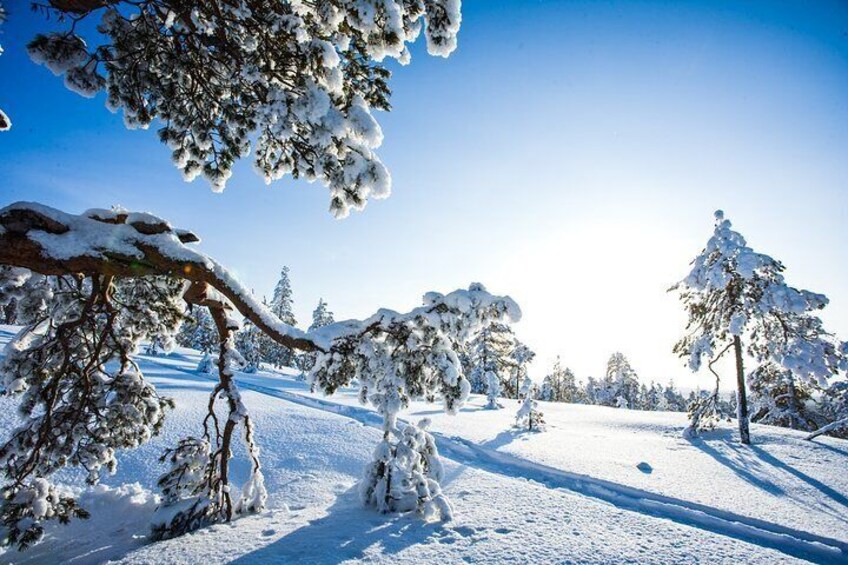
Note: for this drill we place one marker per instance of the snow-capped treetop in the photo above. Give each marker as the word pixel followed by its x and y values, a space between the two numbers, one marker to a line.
pixel 321 316
pixel 733 290
pixel 293 82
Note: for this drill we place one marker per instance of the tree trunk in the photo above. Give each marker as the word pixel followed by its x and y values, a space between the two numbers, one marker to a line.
pixel 794 411
pixel 741 395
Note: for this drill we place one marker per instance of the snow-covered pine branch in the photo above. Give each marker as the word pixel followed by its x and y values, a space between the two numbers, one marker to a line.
pixel 124 244
pixel 734 295
pixel 293 83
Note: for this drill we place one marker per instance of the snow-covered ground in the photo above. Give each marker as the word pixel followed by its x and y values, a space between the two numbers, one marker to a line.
pixel 601 486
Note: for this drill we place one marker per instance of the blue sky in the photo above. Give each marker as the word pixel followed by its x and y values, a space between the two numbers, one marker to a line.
pixel 569 154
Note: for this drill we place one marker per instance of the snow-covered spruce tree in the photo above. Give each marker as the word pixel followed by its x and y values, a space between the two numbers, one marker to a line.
pixel 833 407
pixel 73 360
pixel 493 392
pixel 521 356
pixel 248 342
pixel 560 385
pixel 734 295
pixel 292 83
pixel 321 317
pixel 399 357
pixel 198 331
pixel 620 386
pixel 491 351
pixel 594 392
pixel 281 306
pixel 206 364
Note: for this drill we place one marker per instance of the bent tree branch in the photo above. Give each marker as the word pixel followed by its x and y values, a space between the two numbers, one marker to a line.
pixel 106 243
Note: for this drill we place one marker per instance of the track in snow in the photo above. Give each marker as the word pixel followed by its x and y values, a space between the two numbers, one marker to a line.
pixel 796 543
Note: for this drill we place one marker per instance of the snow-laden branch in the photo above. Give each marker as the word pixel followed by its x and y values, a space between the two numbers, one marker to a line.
pixel 292 84
pixel 119 243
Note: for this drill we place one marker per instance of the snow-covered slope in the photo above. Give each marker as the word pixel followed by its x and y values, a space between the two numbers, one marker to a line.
pixel 781 479
pixel 517 497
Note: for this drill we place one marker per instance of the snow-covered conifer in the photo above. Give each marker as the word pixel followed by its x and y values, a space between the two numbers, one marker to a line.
pixel 529 416
pixel 560 385
pixel 491 351
pixel 620 386
pixel 291 83
pixel 249 342
pixel 521 356
pixel 321 317
pixel 281 306
pixel 404 475
pixel 672 399
pixel 778 398
pixel 594 392
pixel 198 331
pixel 206 364
pixel 734 295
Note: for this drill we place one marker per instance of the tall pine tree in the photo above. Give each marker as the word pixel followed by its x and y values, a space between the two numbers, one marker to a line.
pixel 736 298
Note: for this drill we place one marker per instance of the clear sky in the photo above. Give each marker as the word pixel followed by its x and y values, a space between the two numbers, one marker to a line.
pixel 570 154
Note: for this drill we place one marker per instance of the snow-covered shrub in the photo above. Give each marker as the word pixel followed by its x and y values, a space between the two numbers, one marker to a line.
pixel 206 364
pixel 493 391
pixel 405 473
pixel 529 416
